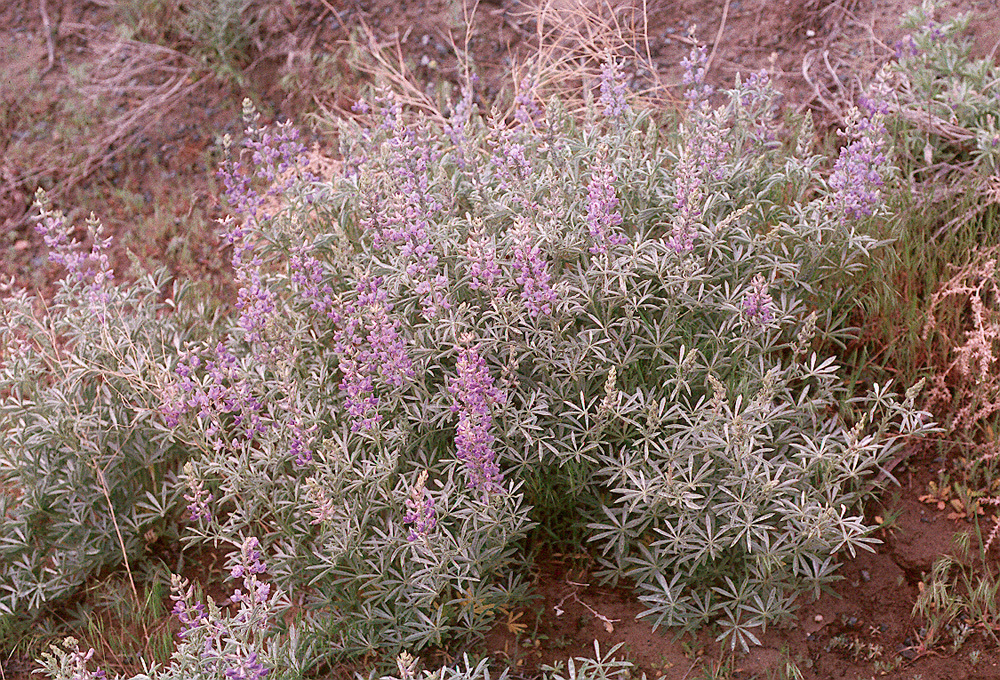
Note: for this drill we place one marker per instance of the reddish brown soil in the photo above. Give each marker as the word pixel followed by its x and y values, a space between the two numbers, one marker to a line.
pixel 151 181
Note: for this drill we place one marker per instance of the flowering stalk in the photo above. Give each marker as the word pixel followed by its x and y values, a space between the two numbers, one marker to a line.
pixel 475 395
pixel 370 348
pixel 228 647
pixel 532 272
pixel 420 507
pixel 92 269
pixel 613 90
pixel 758 307
pixel 198 499
pixel 481 255
pixel 602 211
pixel 857 177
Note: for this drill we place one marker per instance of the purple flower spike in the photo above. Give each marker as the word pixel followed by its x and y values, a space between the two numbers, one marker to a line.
pixel 198 499
pixel 420 508
pixel 758 307
pixel 371 351
pixel 533 273
pixel 190 613
pixel 475 394
pixel 77 661
pixel 481 251
pixel 694 65
pixel 857 175
pixel 613 89
pixel 93 268
pixel 602 211
pixel 527 112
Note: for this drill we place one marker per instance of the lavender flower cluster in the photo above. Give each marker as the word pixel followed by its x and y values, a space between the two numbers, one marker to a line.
pixel 371 349
pixel 92 269
pixel 858 174
pixel 475 395
pixel 602 211
pixel 228 646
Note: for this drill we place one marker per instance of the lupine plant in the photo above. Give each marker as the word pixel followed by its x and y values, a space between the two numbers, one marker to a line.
pixel 951 98
pixel 85 457
pixel 213 643
pixel 527 325
pixel 524 321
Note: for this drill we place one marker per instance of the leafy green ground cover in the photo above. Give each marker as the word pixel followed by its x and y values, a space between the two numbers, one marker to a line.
pixel 586 325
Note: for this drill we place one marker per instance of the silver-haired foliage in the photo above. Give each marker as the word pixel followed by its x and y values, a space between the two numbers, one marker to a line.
pixel 85 457
pixel 604 328
pixel 597 326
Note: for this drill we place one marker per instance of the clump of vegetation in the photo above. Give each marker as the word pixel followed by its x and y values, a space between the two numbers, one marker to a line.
pixel 487 332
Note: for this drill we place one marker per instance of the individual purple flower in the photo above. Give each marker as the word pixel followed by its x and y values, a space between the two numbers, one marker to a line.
pixel 245 668
pixel 755 91
pixel 758 307
pixel 420 510
pixel 475 395
pixel 613 89
pixel 532 272
pixel 433 292
pixel 267 166
pixel 755 97
pixel 602 211
pixel 250 560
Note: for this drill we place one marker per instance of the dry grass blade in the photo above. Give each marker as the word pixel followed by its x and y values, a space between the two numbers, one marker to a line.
pixel 388 67
pixel 142 80
pixel 156 77
pixel 573 38
pixel 928 122
pixel 835 110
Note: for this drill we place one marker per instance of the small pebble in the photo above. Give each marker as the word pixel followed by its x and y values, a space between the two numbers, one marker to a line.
pixel 865 576
pixel 818 618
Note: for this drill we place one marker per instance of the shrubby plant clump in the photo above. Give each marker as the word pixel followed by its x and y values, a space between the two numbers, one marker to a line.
pixel 498 329
pixel 86 461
